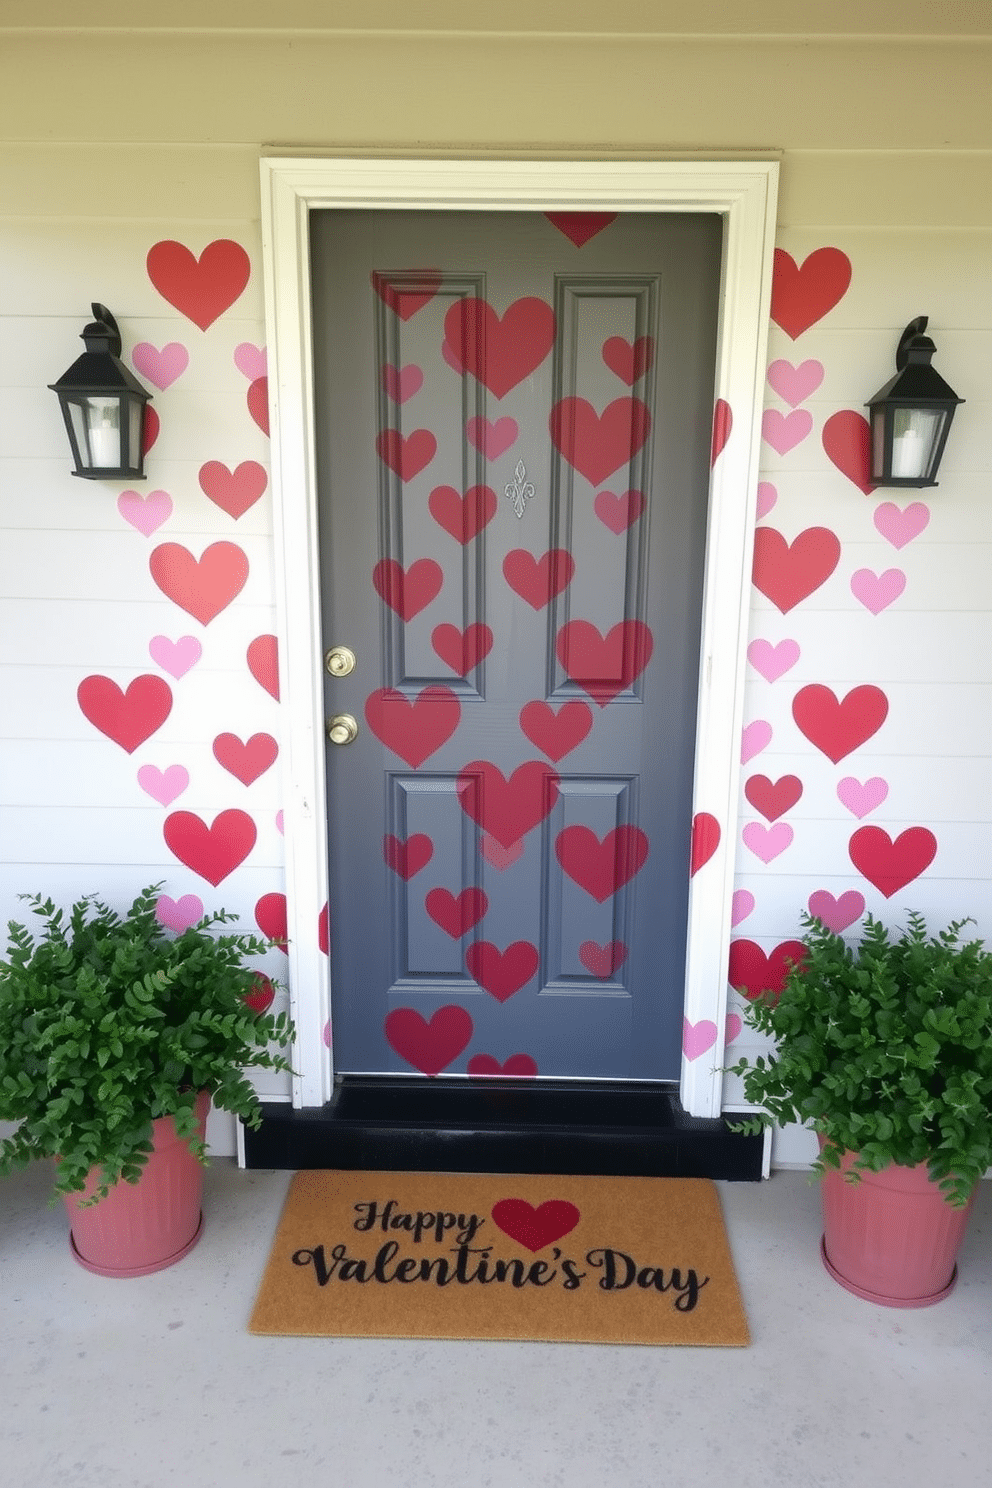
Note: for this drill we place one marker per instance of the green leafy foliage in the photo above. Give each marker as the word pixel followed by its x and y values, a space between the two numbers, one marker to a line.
pixel 108 1021
pixel 885 1050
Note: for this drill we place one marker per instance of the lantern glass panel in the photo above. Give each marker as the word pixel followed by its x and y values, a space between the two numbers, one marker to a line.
pixel 915 440
pixel 103 415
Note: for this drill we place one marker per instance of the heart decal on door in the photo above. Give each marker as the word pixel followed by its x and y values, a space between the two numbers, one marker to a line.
pixel 579 227
pixel 413 728
pixel 629 360
pixel 604 666
pixel 409 292
pixel 406 457
pixel 407 857
pixel 556 734
pixel 502 973
pixel 464 517
pixel 429 1047
pixel 456 914
pixel 507 809
pixel 538 580
pixel 407 591
pixel 601 867
pixel 499 351
pixel 603 961
pixel 597 445
pixel 462 650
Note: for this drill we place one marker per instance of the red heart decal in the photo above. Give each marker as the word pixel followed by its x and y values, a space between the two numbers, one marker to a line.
pixel 203 288
pixel 847 441
pixel 411 591
pixel 629 362
pixel 201 587
pixel 619 512
pixel 246 761
pixel 838 727
pixel 595 444
pixel 579 227
pixel 604 666
pixel 150 426
pixel 601 867
pixel 507 809
pixel 271 919
pixel 258 402
pixel 502 973
pixel 407 858
pixel 556 734
pixel 802 295
pixel 413 728
pixel 324 941
pixel 429 1047
pixel 462 650
pixel 215 851
pixel 889 865
pixel 464 519
pixel 789 573
pixel 407 293
pixel 234 491
pixel 602 961
pixel 499 352
pixel 705 840
pixel 456 915
pixel 773 799
pixel 131 717
pixel 518 1066
pixel 264 994
pixel 263 663
pixel 406 457
pixel 535 1228
pixel 538 580
pixel 752 972
pixel 723 423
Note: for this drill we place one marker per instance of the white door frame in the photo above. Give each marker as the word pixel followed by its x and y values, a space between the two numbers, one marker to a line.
pixel 744 193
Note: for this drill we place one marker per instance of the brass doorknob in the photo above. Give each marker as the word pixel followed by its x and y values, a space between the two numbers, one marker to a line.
pixel 340 660
pixel 342 729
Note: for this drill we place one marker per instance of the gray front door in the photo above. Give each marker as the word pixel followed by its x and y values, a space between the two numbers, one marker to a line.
pixel 513 420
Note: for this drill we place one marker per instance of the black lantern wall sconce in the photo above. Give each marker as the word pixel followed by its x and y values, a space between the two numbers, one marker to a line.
pixel 911 415
pixel 103 405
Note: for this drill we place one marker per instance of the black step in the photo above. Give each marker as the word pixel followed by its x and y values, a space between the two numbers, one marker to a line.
pixel 383 1123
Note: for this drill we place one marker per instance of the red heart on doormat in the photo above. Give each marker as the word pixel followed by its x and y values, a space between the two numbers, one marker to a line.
pixel 131 717
pixel 535 1228
pixel 200 288
pixel 429 1047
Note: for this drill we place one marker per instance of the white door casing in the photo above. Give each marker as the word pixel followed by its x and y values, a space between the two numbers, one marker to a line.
pixel 744 194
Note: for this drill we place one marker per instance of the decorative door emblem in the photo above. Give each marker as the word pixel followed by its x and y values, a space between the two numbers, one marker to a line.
pixel 520 489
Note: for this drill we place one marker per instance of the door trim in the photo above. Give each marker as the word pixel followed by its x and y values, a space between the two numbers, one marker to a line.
pixel 744 194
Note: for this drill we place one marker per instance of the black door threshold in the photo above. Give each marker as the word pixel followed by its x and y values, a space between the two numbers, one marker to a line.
pixel 503 1126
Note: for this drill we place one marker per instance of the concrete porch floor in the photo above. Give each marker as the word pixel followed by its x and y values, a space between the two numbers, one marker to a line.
pixel 139 1384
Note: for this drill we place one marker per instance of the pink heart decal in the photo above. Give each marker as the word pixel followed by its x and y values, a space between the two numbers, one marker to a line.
pixel 767 842
pixel 846 440
pixel 595 444
pixel 179 914
pixel 160 367
pixel 697 1037
pixel 263 663
pixel 251 360
pixel 456 915
pixel 202 587
pixel 502 973
pixel 601 868
pixel 838 727
pixel 900 527
pixel 128 718
pixel 877 591
pixel 734 1025
pixel 271 919
pixel 619 512
pixel 783 431
pixel 756 736
pixel 802 295
pixel 889 865
pixel 705 840
pixel 535 1228
pixel 407 857
pixel 406 457
pixel 413 728
pixel 741 906
pixel 773 661
pixel 402 383
pixel 837 914
pixel 773 798
pixel 767 497
pixel 493 439
pixel 723 423
pixel 211 851
pixel 247 759
pixel 538 580
pixel 507 809
pixel 234 491
pixel 579 227
pixel 603 961
pixel 145 513
pixel 462 650
pixel 518 1066
pixel 175 657
pixel 409 292
pixel 199 288
pixel 499 351
pixel 795 384
pixel 464 517
pixel 604 666
pixel 556 734
pixel 499 856
pixel 429 1047
pixel 163 785
pixel 407 591
pixel 751 971
pixel 629 361
pixel 860 799
pixel 787 573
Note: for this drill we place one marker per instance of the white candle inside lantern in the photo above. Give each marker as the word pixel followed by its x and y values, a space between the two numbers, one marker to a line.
pixel 908 454
pixel 105 433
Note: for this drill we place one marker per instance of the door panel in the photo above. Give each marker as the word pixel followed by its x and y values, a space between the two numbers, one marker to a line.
pixel 513 441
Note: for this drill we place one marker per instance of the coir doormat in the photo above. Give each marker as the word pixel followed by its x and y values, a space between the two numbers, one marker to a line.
pixel 453 1255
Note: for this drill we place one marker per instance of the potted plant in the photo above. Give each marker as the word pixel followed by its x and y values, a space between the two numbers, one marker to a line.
pixel 884 1048
pixel 115 1035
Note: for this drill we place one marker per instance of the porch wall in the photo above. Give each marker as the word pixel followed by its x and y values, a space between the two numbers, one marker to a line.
pixel 115 141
